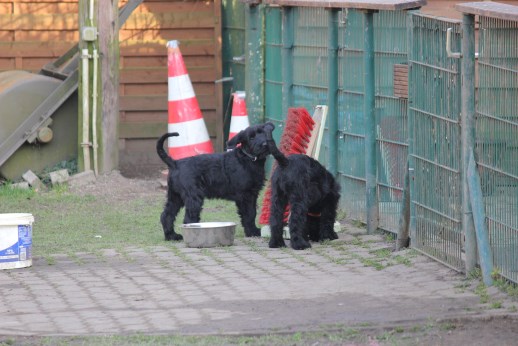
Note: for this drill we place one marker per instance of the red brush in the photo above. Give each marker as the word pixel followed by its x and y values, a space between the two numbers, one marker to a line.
pixel 294 140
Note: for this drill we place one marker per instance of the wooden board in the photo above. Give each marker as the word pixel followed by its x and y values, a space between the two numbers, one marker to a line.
pixel 319 116
pixel 401 80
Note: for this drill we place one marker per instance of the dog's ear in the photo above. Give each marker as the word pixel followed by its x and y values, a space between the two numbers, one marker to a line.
pixel 269 127
pixel 234 141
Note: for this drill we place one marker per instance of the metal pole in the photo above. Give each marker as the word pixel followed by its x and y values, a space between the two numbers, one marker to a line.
pixel 254 72
pixel 332 91
pixel 287 59
pixel 468 134
pixel 410 117
pixel 479 221
pixel 370 123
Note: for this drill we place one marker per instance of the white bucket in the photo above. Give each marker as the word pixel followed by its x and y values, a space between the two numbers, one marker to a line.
pixel 15 240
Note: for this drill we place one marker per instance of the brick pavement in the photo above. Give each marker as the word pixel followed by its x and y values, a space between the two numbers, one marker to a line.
pixel 245 288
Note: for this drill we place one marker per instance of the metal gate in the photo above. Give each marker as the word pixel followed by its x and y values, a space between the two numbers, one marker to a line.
pixel 390 49
pixel 435 140
pixel 497 138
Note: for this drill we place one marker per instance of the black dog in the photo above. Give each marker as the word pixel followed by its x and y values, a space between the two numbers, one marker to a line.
pixel 236 175
pixel 312 194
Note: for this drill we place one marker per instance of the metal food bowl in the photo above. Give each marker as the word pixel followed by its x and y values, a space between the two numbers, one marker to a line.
pixel 208 234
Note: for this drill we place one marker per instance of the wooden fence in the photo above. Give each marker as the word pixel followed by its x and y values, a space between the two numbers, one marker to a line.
pixel 33 33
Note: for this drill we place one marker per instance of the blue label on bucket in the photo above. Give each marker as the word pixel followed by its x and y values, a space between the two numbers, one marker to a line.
pixel 20 249
pixel 10 254
pixel 25 242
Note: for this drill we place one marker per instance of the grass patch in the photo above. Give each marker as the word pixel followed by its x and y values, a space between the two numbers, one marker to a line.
pixel 341 336
pixel 67 223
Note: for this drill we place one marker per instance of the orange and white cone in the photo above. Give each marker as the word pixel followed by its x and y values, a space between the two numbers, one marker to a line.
pixel 239 120
pixel 184 114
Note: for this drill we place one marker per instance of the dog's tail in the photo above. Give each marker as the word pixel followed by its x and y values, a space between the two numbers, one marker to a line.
pixel 162 153
pixel 282 160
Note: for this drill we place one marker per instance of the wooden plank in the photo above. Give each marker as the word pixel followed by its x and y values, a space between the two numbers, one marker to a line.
pixel 33 64
pixel 161 61
pixel 6 64
pixel 154 75
pixel 156 129
pixel 192 19
pixel 7 36
pixel 177 34
pixel 6 8
pixel 139 48
pixel 389 5
pixel 35 7
pixel 48 35
pixel 144 116
pixel 66 21
pixel 490 9
pixel 161 89
pixel 176 6
pixel 159 102
pixel 34 49
pixel 400 80
pixel 320 117
pixel 155 116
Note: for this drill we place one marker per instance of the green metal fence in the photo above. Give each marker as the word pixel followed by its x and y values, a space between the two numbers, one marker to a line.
pixel 233 53
pixel 420 132
pixel 390 47
pixel 497 138
pixel 351 144
pixel 435 151
pixel 391 111
pixel 273 68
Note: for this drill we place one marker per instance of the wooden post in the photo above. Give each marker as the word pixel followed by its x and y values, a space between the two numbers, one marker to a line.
pixel 108 84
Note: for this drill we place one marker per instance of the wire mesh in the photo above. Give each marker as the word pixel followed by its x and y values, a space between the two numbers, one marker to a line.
pixel 310 63
pixel 392 149
pixel 273 69
pixel 351 143
pixel 436 141
pixel 390 48
pixel 233 45
pixel 497 138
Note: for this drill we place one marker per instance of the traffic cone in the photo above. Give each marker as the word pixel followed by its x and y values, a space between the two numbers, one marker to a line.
pixel 239 120
pixel 184 114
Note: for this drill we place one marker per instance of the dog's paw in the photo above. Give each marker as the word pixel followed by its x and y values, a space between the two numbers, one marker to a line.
pixel 256 232
pixel 331 235
pixel 299 243
pixel 174 237
pixel 276 243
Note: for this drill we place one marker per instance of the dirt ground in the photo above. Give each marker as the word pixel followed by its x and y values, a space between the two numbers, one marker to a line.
pixel 500 328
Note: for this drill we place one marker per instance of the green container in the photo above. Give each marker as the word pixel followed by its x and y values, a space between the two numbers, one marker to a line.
pixel 21 93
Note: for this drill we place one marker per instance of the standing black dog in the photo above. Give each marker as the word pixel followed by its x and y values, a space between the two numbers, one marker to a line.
pixel 236 175
pixel 312 194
